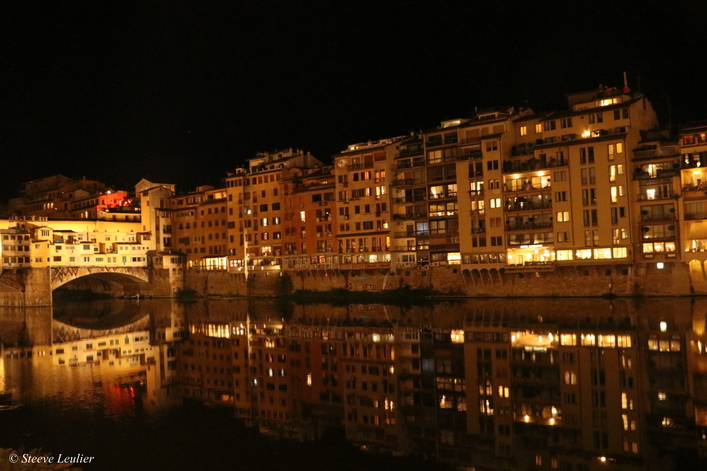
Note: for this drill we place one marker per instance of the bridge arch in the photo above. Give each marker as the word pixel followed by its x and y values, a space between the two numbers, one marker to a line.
pixel 123 275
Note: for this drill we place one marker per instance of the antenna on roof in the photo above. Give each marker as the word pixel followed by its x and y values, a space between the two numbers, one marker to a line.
pixel 626 90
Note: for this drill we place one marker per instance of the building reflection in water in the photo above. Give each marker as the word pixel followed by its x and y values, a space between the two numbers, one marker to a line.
pixel 569 384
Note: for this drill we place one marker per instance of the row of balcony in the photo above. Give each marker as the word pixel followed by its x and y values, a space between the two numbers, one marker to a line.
pixel 511 166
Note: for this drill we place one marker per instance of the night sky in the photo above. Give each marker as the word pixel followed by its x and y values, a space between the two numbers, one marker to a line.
pixel 184 92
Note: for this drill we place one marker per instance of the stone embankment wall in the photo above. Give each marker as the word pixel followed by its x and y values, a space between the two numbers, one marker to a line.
pixel 31 287
pixel 594 280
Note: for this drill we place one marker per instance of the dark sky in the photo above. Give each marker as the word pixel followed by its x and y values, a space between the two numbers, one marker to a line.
pixel 183 92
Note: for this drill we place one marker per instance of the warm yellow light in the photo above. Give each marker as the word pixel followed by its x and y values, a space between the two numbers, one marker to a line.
pixel 526 418
pixel 663 326
pixel 586 134
pixel 516 177
pixel 541 174
pixel 552 421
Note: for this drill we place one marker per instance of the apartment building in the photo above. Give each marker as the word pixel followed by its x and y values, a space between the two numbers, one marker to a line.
pixel 60 197
pixel 310 199
pixel 693 158
pixel 363 203
pixel 199 227
pixel 255 204
pixel 40 243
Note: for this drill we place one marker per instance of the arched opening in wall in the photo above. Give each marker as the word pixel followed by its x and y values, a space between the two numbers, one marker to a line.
pixel 697 270
pixel 497 275
pixel 475 275
pixel 484 275
pixel 101 286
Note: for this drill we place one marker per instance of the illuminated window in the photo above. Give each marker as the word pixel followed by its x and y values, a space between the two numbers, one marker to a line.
pixel 585 254
pixel 564 255
pixel 570 377
pixel 623 341
pixel 602 253
pixel 568 339
pixel 606 341
pixel 538 128
pixel 588 340
pixel 523 130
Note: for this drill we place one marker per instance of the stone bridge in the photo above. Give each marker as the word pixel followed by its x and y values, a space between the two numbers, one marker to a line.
pixel 63 275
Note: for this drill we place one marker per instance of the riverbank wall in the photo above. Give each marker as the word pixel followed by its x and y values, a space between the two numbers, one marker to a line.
pixel 583 281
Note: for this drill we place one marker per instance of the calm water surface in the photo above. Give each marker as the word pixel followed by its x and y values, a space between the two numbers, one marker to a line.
pixel 570 384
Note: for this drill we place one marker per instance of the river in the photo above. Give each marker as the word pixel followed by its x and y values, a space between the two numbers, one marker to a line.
pixel 566 383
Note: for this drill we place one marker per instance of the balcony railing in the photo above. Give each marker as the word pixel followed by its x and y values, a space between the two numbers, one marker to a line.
pixel 528 225
pixel 438 196
pixel 696 216
pixel 360 166
pixel 409 216
pixel 411 152
pixel 403 182
pixel 660 196
pixel 409 199
pixel 528 206
pixel 403 234
pixel 511 166
pixel 530 266
pixel 661 173
pixel 441 142
pixel 665 151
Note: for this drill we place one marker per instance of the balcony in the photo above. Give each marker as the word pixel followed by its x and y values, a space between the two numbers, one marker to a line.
pixel 403 248
pixel 645 217
pixel 530 266
pixel 360 166
pixel 528 206
pixel 648 154
pixel 528 226
pixel 527 186
pixel 446 231
pixel 411 152
pixel 403 182
pixel 657 196
pixel 441 196
pixel 470 154
pixel 640 174
pixel 409 216
pixel 441 142
pixel 696 216
pixel 694 193
pixel 409 199
pixel 511 166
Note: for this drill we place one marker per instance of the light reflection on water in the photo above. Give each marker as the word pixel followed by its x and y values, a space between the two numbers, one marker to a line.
pixel 509 384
